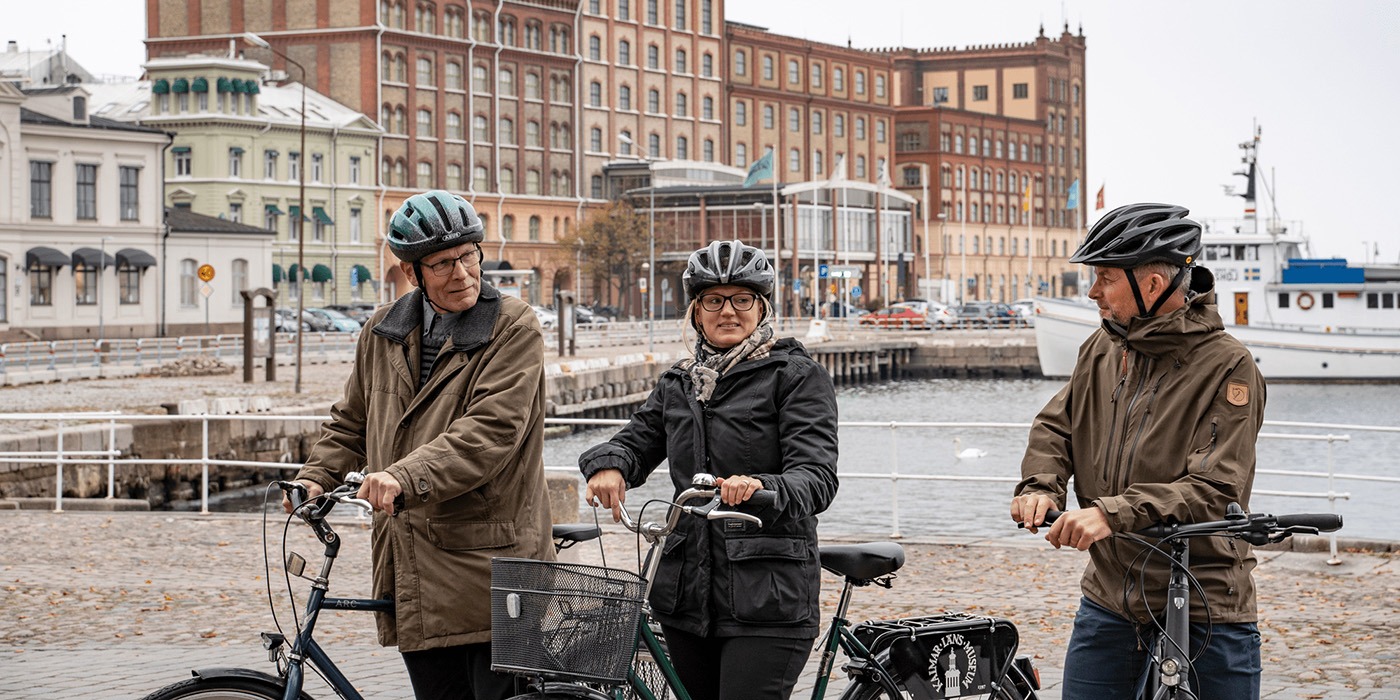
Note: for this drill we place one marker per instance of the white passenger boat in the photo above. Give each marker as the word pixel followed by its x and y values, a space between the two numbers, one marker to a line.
pixel 1303 318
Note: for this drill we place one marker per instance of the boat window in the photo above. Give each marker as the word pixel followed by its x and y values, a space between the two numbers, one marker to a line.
pixel 1239 252
pixel 1373 300
pixel 1387 301
pixel 1283 300
pixel 1210 252
pixel 1326 300
pixel 1251 252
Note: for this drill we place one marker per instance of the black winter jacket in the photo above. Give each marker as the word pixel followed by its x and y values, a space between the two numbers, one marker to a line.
pixel 773 419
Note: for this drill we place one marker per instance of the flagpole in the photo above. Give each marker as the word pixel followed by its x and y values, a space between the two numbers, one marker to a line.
pixel 777 250
pixel 1030 238
pixel 962 244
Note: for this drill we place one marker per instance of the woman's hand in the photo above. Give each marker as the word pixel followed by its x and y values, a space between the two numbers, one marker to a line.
pixel 734 490
pixel 608 489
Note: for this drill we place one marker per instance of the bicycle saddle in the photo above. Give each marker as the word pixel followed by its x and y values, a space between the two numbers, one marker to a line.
pixel 575 532
pixel 862 562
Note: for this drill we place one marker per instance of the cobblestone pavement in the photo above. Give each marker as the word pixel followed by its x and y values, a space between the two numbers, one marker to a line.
pixel 114 605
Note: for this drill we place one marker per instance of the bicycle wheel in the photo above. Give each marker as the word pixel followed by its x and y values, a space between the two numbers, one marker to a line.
pixel 219 689
pixel 865 690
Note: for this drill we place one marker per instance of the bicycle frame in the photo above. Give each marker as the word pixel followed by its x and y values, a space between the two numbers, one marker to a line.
pixel 1170 671
pixel 839 636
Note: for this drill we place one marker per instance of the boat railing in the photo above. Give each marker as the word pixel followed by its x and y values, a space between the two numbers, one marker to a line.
pixel 68 450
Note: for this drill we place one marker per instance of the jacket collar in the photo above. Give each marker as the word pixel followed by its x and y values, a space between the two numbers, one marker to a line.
pixel 1174 334
pixel 781 350
pixel 472 330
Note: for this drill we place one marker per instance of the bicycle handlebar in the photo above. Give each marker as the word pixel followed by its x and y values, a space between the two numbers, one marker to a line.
pixel 1256 528
pixel 703 490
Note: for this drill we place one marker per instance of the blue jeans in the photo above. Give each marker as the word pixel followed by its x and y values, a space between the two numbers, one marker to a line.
pixel 1104 662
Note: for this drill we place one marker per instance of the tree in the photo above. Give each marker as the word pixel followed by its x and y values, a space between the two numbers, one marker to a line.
pixel 614 242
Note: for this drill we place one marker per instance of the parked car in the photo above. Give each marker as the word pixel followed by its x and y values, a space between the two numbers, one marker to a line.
pixel 360 311
pixel 338 322
pixel 1025 311
pixel 286 324
pixel 941 315
pixel 585 316
pixel 548 319
pixel 987 314
pixel 838 309
pixel 896 317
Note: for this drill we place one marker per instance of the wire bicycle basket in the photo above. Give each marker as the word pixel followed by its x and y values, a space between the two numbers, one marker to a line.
pixel 564 620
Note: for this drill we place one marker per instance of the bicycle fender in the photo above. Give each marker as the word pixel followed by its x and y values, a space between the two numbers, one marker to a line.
pixel 274 683
pixel 570 690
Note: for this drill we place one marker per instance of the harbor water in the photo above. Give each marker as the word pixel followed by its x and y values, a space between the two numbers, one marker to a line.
pixel 865 506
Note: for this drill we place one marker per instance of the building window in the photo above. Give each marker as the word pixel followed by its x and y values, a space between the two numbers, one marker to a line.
pixel 680 15
pixel 87 191
pixel 817 163
pixel 294 166
pixel 794 72
pixel 1020 91
pixel 624 53
pixel 595 185
pixel 235 162
pixel 653 57
pixel 794 119
pixel 741 154
pixel 860 128
pixel 84 285
pixel 595 94
pixel 654 146
pixel 860 167
pixel 508 180
pixel 940 95
pixel 860 82
pixel 626 145
pixel 707 65
pixel 880 86
pixel 624 98
pixel 507 227
pixel 454 126
pixel 40 285
pixel 189 284
pixel 741 113
pixel 129 285
pixel 740 63
pixel 680 61
pixel 682 106
pixel 235 212
pixel 654 101
pixel 707 18
pixel 130 193
pixel 682 148
pixel 767 67
pixel 317 167
pixel 40 189
pixel 595 139
pixel 354 170
pixel 817 122
pixel 481 179
pixel 239 278
pixel 505 133
pixel 425 71
pixel 532 134
pixel 879 131
pixel 768 116
pixel 709 151
pixel 652 12
pixel 506 82
pixel 838 125
pixel 533 91
pixel 979 93
pixel 816 78
pixel 454 76
pixel 707 108
pixel 532 181
pixel 794 160
pixel 624 9
pixel 838 79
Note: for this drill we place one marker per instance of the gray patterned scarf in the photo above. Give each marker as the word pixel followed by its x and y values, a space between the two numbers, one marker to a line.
pixel 710 362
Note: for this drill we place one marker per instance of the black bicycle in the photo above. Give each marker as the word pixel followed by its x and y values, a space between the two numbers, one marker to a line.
pixel 1170 675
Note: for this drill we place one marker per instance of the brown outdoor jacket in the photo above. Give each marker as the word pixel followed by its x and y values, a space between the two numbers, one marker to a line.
pixel 1159 425
pixel 467 450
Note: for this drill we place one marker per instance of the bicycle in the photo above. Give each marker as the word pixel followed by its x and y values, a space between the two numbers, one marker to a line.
pixel 221 683
pixel 1169 673
pixel 572 631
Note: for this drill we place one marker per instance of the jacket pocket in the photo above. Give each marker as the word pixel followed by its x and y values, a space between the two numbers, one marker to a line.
pixel 463 536
pixel 771 580
pixel 666 582
pixel 1200 459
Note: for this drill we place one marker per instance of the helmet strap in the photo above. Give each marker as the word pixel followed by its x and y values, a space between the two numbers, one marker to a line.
pixel 423 283
pixel 1161 298
pixel 1171 288
pixel 1137 294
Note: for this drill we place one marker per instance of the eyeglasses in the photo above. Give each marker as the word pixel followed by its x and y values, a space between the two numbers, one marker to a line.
pixel 714 302
pixel 469 259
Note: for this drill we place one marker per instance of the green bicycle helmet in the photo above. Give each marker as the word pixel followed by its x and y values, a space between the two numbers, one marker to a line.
pixel 432 221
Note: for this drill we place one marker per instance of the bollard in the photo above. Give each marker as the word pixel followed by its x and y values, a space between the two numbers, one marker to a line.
pixel 53 348
pixel 3 346
pixel 96 354
pixel 58 476
pixel 894 481
pixel 204 469
pixel 111 458
pixel 1334 560
pixel 138 351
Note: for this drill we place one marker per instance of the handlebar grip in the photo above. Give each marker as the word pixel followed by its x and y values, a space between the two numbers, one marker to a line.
pixel 1050 517
pixel 296 492
pixel 762 498
pixel 1322 522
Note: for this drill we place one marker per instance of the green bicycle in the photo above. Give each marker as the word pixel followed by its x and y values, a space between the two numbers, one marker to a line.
pixel 575 631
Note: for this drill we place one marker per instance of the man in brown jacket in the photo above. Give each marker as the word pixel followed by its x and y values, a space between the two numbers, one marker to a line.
pixel 1158 422
pixel 445 413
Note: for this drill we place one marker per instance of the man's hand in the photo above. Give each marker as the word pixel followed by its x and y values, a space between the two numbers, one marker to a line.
pixel 734 490
pixel 1079 528
pixel 1030 509
pixel 313 490
pixel 380 490
pixel 609 489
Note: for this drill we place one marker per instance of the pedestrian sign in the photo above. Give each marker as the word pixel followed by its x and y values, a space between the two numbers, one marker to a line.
pixel 823 270
pixel 797 285
pixel 855 292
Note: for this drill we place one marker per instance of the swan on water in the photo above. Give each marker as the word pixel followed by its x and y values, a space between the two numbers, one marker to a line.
pixel 969 453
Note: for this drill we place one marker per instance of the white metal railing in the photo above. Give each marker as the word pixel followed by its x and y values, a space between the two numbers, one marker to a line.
pixel 54 355
pixel 61 456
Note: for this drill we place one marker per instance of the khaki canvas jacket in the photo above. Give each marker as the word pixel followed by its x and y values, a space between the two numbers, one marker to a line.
pixel 1158 425
pixel 467 451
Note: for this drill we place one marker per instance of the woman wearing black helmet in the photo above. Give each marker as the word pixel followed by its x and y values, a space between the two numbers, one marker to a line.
pixel 734 601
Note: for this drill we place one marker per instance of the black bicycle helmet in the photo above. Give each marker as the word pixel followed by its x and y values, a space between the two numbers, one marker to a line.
pixel 727 262
pixel 432 221
pixel 1137 234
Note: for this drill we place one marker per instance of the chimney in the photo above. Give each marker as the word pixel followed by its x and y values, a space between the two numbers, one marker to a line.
pixel 12 47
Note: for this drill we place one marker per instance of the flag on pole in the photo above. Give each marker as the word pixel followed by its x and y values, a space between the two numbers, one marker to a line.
pixel 1098 202
pixel 883 177
pixel 839 171
pixel 761 169
pixel 1026 197
pixel 1072 200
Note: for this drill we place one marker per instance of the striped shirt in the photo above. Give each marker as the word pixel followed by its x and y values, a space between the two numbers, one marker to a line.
pixel 437 328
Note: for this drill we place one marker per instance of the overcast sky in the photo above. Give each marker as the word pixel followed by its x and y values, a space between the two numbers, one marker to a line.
pixel 1173 87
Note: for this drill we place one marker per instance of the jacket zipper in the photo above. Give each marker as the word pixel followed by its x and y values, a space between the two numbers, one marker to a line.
pixel 1117 391
pixel 1127 420
pixel 1142 427
pixel 1210 449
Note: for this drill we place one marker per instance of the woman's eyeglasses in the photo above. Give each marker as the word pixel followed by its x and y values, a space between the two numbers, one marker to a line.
pixel 714 302
pixel 469 259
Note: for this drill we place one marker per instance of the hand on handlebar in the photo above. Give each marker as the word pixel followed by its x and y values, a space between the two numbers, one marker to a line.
pixel 734 490
pixel 1029 510
pixel 380 490
pixel 313 490
pixel 1079 528
pixel 608 489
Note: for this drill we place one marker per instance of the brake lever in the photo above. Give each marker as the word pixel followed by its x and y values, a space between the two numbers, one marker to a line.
pixel 712 511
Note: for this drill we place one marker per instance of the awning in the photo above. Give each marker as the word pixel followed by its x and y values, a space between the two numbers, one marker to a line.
pixel 180 149
pixel 360 273
pixel 252 87
pixel 224 85
pixel 296 211
pixel 321 273
pixel 160 87
pixel 180 85
pixel 132 257
pixel 200 84
pixel 92 257
pixel 238 85
pixel 271 152
pixel 321 217
pixel 43 256
pixel 276 274
pixel 292 273
pixel 273 210
pixel 235 150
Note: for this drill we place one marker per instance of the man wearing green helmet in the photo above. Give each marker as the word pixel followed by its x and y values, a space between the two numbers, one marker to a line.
pixel 445 413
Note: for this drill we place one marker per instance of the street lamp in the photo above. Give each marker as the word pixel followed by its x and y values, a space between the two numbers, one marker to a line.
pixel 651 243
pixel 101 267
pixel 260 42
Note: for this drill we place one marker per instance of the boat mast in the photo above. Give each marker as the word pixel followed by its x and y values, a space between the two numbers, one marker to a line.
pixel 1251 161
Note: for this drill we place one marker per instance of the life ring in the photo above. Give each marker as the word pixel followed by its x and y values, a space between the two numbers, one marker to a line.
pixel 1305 300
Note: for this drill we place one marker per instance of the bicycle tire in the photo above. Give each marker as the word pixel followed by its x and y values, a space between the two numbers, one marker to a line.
pixel 219 689
pixel 866 690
